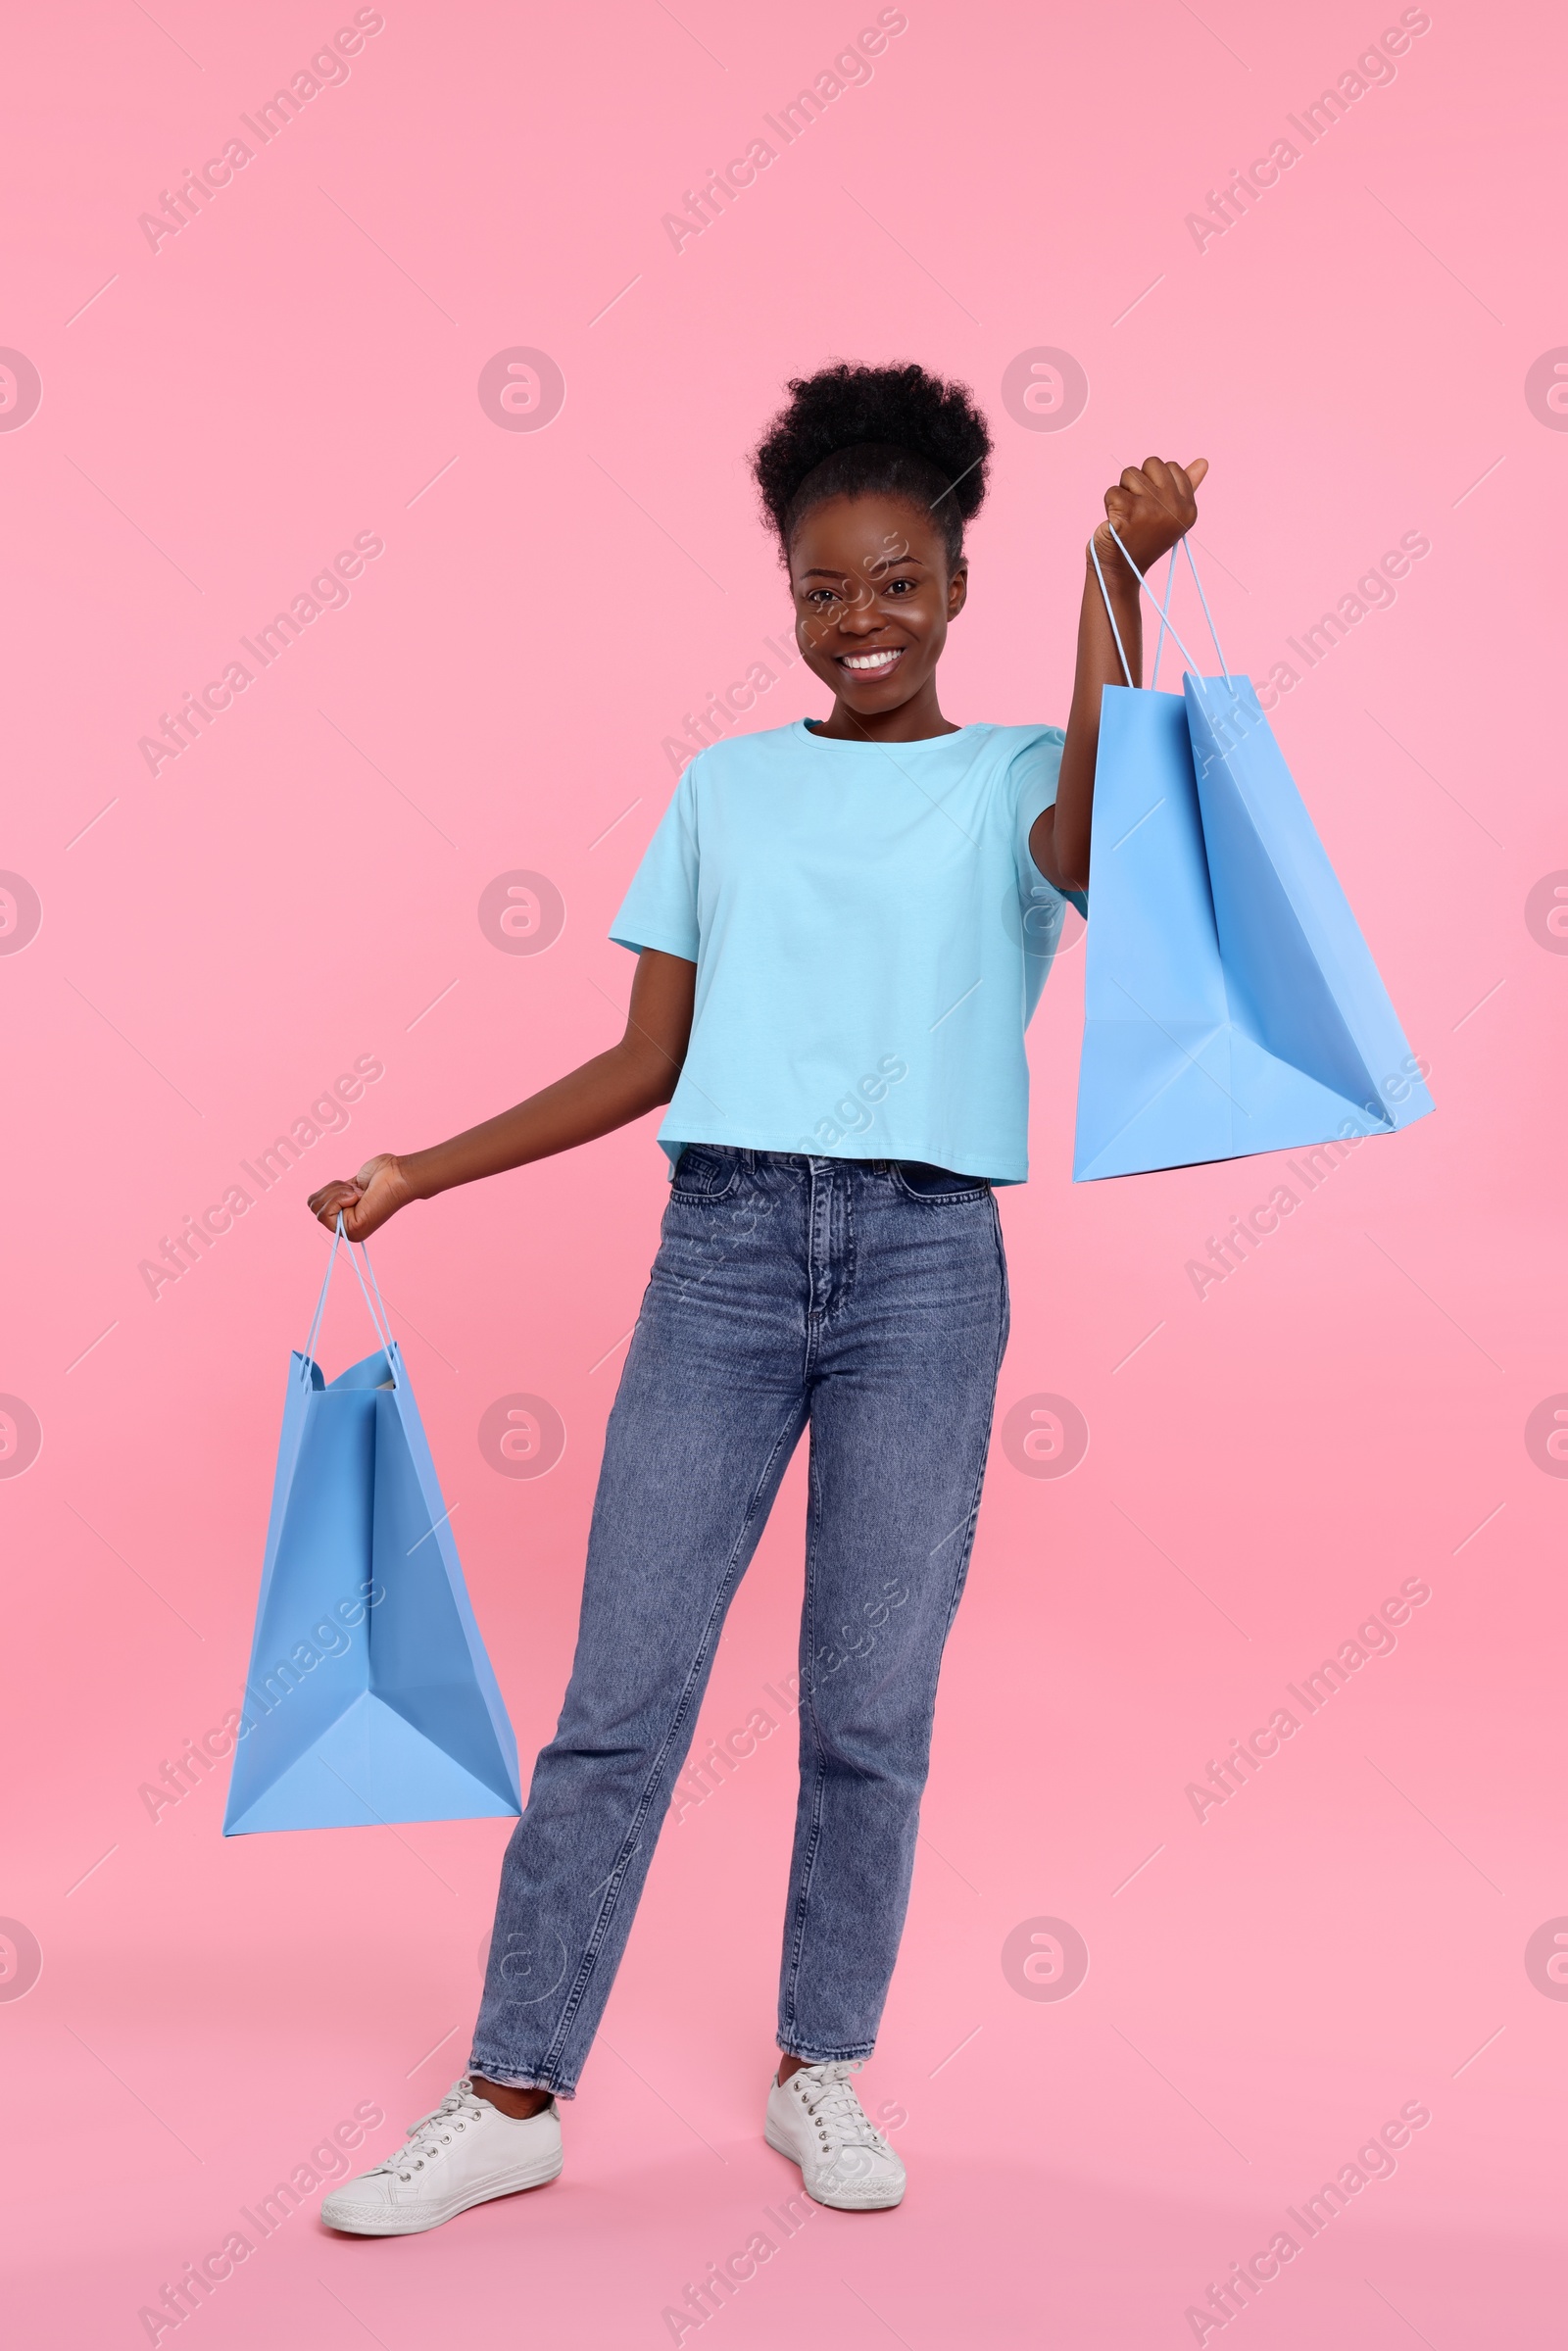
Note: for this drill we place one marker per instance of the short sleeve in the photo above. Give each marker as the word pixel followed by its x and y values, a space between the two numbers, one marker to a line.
pixel 1034 775
pixel 659 909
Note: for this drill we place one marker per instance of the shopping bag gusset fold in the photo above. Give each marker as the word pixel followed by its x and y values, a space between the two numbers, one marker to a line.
pixel 370 1696
pixel 1231 1002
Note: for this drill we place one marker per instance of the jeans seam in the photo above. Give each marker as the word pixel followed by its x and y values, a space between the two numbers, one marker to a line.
pixel 803 1903
pixel 629 1845
pixel 1004 1325
pixel 842 1303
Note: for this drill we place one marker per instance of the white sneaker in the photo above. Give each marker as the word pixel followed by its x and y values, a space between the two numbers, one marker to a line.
pixel 817 2119
pixel 464 2153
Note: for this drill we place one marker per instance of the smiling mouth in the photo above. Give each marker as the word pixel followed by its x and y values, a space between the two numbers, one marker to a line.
pixel 880 663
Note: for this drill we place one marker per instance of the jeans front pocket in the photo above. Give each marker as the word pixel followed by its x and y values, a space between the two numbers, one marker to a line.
pixel 703 1176
pixel 937 1187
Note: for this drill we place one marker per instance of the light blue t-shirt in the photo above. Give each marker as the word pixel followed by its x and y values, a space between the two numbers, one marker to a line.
pixel 870 935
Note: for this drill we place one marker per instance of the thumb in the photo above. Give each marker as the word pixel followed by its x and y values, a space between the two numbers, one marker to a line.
pixel 1196 470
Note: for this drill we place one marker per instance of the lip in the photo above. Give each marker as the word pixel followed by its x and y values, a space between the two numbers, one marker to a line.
pixel 891 656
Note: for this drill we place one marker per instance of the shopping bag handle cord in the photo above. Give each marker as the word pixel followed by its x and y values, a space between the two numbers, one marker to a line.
pixel 1143 584
pixel 1094 557
pixel 1192 566
pixel 320 1303
pixel 381 1324
pixel 1166 620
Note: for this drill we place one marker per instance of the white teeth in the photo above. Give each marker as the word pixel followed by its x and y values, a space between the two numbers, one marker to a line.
pixel 871 661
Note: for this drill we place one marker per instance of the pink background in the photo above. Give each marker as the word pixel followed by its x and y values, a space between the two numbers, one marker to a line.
pixel 301 887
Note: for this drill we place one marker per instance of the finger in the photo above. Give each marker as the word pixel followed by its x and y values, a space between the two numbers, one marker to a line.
pixel 1135 482
pixel 341 1188
pixel 1195 470
pixel 1163 489
pixel 331 1203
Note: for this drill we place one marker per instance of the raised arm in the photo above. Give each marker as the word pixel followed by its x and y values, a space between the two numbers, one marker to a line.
pixel 1150 507
pixel 634 1076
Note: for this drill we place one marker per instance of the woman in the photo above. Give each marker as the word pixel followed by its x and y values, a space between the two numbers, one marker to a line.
pixel 837 928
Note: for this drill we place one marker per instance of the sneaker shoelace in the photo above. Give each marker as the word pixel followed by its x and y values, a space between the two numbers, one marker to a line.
pixel 425 2138
pixel 829 2098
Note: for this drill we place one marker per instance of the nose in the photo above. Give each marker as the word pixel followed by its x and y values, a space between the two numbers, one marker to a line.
pixel 859 615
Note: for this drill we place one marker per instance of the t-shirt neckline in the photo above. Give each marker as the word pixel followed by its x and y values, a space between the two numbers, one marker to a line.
pixel 834 744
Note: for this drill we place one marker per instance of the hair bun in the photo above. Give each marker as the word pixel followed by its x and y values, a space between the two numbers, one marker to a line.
pixel 851 430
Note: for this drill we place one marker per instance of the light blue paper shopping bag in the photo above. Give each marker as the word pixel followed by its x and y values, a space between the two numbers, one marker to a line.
pixel 1231 1002
pixel 369 1696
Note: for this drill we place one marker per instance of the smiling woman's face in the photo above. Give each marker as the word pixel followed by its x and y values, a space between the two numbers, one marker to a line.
pixel 873 597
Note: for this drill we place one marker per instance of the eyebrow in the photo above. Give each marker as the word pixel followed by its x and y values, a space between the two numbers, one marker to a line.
pixel 883 564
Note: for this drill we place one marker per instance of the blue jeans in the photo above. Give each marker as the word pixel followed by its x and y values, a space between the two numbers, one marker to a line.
pixel 866 1299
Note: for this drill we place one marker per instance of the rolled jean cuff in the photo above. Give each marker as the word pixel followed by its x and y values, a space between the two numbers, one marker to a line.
pixel 505 2081
pixel 861 2050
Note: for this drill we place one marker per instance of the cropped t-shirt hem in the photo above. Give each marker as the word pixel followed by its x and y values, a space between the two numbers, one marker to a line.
pixel 922 1150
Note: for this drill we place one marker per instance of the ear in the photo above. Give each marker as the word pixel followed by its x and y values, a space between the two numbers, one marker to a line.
pixel 958 590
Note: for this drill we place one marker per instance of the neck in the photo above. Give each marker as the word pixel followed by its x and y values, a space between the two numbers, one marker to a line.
pixel 912 721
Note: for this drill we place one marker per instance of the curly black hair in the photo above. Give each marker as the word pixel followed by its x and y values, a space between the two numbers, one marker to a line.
pixel 895 431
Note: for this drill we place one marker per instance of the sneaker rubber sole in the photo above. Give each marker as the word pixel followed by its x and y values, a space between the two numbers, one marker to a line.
pixel 781 2146
pixel 392 2222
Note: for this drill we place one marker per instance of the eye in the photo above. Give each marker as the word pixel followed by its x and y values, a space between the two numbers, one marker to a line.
pixel 898 587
